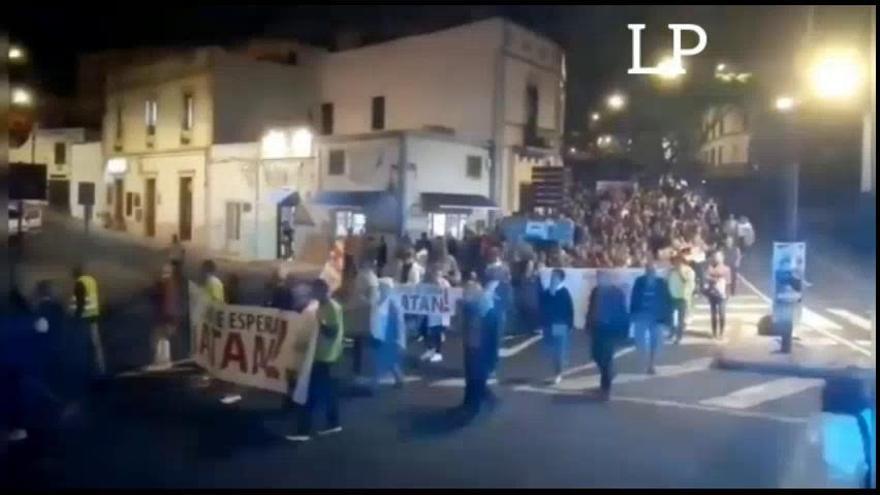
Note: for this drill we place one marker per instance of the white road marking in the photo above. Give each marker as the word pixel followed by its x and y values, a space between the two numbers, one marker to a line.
pixel 863 323
pixel 230 399
pixel 699 407
pixel 457 382
pixel 840 340
pixel 734 306
pixel 583 383
pixel 513 351
pixel 746 398
pixel 863 342
pixel 817 321
pixel 685 341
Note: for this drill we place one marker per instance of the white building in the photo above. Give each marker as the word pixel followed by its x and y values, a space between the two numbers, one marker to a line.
pixel 491 82
pixel 726 141
pixel 51 147
pixel 87 174
pixel 163 119
pixel 193 140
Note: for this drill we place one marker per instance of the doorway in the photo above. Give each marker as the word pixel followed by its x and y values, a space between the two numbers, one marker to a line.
pixel 185 217
pixel 150 207
pixel 118 194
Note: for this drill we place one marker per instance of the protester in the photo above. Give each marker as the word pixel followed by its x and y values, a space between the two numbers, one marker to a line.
pixel 733 255
pixel 211 283
pixel 651 312
pixel 166 298
pixel 388 332
pixel 497 275
pixel 176 253
pixel 607 323
pixel 445 262
pixel 423 244
pixel 682 284
pixel 278 292
pixel 381 256
pixel 436 324
pixel 85 306
pixel 718 281
pixel 322 383
pixel 745 233
pixel 479 324
pixel 232 291
pixel 358 310
pixel 558 320
pixel 528 289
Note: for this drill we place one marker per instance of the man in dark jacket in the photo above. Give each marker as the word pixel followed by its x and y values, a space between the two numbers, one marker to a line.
pixel 651 312
pixel 557 315
pixel 607 323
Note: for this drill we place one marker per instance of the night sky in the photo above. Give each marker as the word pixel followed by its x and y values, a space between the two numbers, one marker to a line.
pixel 596 38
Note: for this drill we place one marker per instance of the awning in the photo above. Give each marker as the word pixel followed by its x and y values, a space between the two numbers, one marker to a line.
pixel 452 203
pixel 284 197
pixel 349 199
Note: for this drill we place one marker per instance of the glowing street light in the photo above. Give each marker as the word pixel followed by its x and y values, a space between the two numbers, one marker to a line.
pixel 670 68
pixel 21 97
pixel 836 75
pixel 784 103
pixel 616 101
pixel 720 67
pixel 595 116
pixel 16 53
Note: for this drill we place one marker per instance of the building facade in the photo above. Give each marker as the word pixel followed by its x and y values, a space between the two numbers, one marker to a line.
pixel 52 148
pixel 726 140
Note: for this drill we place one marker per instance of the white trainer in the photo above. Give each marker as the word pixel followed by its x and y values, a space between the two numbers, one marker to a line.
pixel 436 358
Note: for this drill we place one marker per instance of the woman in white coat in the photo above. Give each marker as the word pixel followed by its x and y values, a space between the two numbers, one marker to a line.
pixel 388 334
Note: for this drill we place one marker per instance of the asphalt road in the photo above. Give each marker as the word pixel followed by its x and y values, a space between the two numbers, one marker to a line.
pixel 688 426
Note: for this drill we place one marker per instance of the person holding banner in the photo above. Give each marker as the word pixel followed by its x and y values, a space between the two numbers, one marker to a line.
pixel 211 283
pixel 558 320
pixel 436 324
pixel 651 311
pixel 607 323
pixel 322 383
pixel 388 332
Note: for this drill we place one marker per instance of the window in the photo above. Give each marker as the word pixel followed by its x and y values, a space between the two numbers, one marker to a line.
pixel 734 153
pixel 720 155
pixel 326 119
pixel 347 219
pixel 151 111
pixel 233 221
pixel 531 130
pixel 188 111
pixel 292 59
pixel 336 162
pixel 60 153
pixel 109 194
pixel 447 224
pixel 712 156
pixel 721 127
pixel 474 167
pixel 129 201
pixel 378 122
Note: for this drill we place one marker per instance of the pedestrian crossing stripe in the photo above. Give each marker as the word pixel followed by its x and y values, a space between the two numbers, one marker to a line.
pixel 731 306
pixel 864 342
pixel 817 321
pixel 581 384
pixel 851 318
pixel 457 382
pixel 749 397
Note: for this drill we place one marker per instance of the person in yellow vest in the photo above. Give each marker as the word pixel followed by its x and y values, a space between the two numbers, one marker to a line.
pixel 211 283
pixel 322 383
pixel 85 306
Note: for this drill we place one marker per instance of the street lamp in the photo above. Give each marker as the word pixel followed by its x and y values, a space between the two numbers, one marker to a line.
pixel 670 68
pixel 784 104
pixel 595 116
pixel 21 97
pixel 836 75
pixel 616 101
pixel 16 53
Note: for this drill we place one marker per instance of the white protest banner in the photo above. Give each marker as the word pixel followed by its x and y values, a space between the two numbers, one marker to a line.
pixel 427 299
pixel 581 281
pixel 616 186
pixel 257 347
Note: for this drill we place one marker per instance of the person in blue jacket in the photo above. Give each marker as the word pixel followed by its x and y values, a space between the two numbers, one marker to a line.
pixel 651 312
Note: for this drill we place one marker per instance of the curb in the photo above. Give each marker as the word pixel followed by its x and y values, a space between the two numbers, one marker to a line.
pixel 725 363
